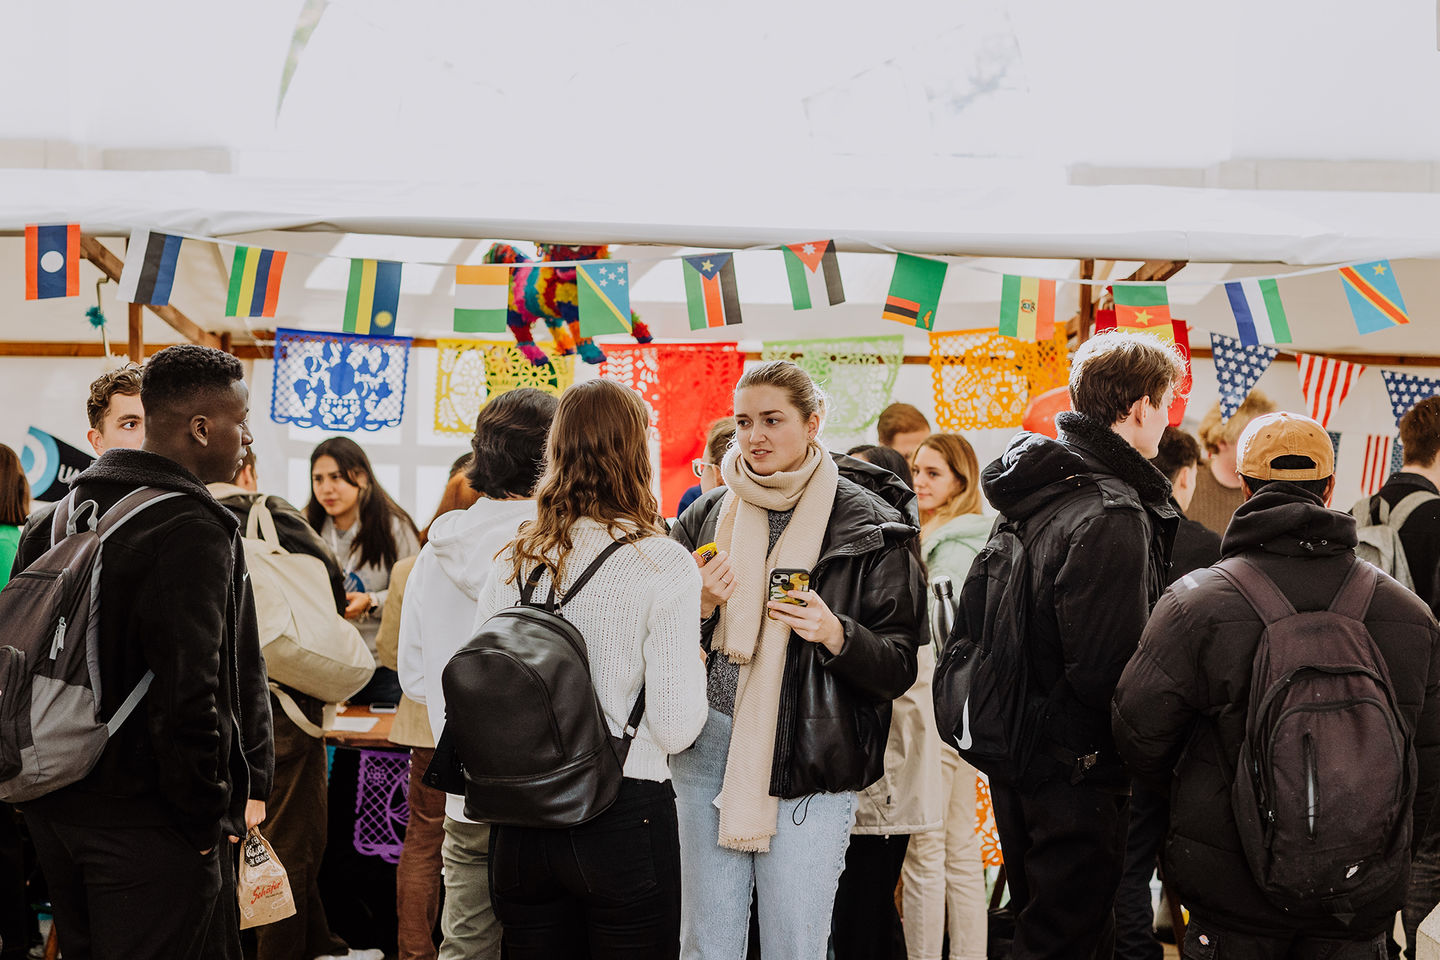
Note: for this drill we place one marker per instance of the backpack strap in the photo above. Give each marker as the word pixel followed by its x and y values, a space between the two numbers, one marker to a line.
pixel 636 712
pixel 130 505
pixel 528 590
pixel 1397 515
pixel 131 702
pixel 1353 598
pixel 1256 587
pixel 60 518
pixel 260 525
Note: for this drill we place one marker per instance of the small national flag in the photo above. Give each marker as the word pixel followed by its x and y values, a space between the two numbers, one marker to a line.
pixel 52 261
pixel 603 288
pixel 1182 392
pixel 149 271
pixel 1259 314
pixel 1325 382
pixel 1377 461
pixel 1406 390
pixel 1027 308
pixel 710 292
pixel 814 273
pixel 1238 367
pixel 373 298
pixel 254 282
pixel 482 295
pixel 1374 296
pixel 1144 307
pixel 915 291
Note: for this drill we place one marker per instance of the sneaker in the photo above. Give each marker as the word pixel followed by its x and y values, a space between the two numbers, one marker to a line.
pixel 373 953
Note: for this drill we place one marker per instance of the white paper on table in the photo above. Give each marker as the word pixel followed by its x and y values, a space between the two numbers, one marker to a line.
pixel 355 724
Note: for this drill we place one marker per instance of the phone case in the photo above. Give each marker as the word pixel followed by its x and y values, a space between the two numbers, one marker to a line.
pixel 788 579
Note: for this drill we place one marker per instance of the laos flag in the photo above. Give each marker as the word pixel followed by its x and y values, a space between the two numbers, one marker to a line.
pixel 52 261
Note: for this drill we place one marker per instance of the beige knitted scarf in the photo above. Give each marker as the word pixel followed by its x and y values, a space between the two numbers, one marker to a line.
pixel 748 813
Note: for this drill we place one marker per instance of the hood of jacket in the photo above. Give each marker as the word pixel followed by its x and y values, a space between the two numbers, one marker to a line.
pixel 1035 468
pixel 141 468
pixel 967 526
pixel 466 541
pixel 875 506
pixel 1287 519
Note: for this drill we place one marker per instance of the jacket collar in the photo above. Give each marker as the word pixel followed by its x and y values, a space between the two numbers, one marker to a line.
pixel 1107 449
pixel 141 468
pixel 1288 520
pixel 1404 478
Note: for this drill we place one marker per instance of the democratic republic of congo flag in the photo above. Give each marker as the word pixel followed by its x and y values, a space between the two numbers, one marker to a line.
pixel 254 282
pixel 373 298
pixel 52 261
pixel 1027 308
pixel 1374 296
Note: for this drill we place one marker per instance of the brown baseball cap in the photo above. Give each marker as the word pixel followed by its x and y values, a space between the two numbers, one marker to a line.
pixel 1280 435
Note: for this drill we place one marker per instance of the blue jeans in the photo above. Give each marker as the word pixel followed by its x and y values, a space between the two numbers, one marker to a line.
pixel 795 882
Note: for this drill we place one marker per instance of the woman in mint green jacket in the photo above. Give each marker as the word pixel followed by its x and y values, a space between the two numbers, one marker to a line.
pixel 943 868
pixel 14 505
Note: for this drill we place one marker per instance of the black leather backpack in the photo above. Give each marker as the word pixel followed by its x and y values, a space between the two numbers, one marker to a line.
pixel 522 721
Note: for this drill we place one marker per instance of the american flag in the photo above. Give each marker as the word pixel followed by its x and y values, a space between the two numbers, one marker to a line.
pixel 1325 382
pixel 1377 463
pixel 1238 367
pixel 1406 390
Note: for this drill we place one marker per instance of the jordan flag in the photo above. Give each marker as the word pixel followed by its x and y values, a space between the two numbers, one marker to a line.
pixel 814 274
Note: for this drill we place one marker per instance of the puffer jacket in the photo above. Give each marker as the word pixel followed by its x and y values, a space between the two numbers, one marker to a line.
pixel 1179 711
pixel 835 708
pixel 1097 566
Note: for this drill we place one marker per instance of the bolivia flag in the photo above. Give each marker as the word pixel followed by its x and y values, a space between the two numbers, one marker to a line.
pixel 1027 308
pixel 710 293
pixel 373 298
pixel 603 288
pixel 482 297
pixel 814 274
pixel 149 270
pixel 915 291
pixel 52 261
pixel 1374 296
pixel 1259 314
pixel 254 282
pixel 1144 307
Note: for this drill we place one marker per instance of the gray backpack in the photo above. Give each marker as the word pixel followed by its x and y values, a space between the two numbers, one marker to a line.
pixel 1379 543
pixel 51 732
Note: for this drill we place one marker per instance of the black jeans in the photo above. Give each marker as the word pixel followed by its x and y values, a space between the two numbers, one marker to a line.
pixel 1134 913
pixel 609 888
pixel 1206 941
pixel 865 921
pixel 1064 847
pixel 134 893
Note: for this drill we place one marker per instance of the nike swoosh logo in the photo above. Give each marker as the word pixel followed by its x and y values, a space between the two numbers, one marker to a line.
pixel 965 741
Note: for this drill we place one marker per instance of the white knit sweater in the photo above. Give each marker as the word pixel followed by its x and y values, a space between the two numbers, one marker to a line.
pixel 640 617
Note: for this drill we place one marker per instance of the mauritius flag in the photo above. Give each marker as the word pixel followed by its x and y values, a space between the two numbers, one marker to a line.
pixel 373 297
pixel 1374 296
pixel 915 291
pixel 1144 307
pixel 254 282
pixel 52 261
pixel 814 274
pixel 1027 308
pixel 603 290
pixel 710 293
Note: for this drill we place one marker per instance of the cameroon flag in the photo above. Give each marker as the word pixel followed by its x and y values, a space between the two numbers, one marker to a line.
pixel 1144 307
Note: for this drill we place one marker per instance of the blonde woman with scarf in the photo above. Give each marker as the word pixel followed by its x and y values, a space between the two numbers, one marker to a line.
pixel 799 696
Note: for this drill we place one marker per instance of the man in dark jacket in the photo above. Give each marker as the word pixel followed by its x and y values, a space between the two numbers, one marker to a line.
pixel 1180 709
pixel 1196 546
pixel 133 851
pixel 1097 523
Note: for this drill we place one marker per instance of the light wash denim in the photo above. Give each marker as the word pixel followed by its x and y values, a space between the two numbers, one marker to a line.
pixel 795 881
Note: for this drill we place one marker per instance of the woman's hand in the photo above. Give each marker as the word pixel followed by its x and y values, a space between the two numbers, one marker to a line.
pixel 813 622
pixel 356 605
pixel 717 582
pixel 254 816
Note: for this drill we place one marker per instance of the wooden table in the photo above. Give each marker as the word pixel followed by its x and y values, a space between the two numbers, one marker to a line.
pixel 376 738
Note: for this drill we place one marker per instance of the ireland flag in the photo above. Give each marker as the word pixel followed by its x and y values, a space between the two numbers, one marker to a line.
pixel 814 274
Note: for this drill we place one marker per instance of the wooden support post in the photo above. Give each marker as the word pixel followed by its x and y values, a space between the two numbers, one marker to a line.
pixel 226 342
pixel 1087 300
pixel 137 339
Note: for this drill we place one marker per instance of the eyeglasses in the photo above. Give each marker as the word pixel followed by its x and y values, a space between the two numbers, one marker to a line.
pixel 698 465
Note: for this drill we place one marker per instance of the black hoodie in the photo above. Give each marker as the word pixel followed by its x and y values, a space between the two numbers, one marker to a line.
pixel 1097 566
pixel 1179 713
pixel 174 598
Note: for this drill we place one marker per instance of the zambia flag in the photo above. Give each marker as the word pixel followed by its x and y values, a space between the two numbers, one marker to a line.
pixel 373 298
pixel 1144 307
pixel 603 290
pixel 915 290
pixel 710 293
pixel 254 282
pixel 1027 308
pixel 814 274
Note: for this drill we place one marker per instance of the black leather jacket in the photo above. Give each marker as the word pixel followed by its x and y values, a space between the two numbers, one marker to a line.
pixel 835 709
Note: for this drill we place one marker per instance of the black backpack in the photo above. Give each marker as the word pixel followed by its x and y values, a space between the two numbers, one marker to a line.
pixel 522 722
pixel 1326 773
pixel 986 704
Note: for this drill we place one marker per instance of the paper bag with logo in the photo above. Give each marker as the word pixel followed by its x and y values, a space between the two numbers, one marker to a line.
pixel 264 887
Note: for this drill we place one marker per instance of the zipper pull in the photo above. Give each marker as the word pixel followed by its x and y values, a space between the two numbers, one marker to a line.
pixel 58 643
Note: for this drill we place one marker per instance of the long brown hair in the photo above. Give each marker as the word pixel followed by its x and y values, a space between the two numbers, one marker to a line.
pixel 375 540
pixel 14 489
pixel 597 467
pixel 960 458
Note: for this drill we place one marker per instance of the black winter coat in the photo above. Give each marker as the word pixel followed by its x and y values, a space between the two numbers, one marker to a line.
pixel 1097 566
pixel 175 599
pixel 1421 534
pixel 835 708
pixel 1179 712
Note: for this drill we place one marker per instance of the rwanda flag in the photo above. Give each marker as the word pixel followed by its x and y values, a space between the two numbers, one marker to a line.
pixel 603 290
pixel 710 293
pixel 1374 296
pixel 52 261
pixel 254 282
pixel 373 298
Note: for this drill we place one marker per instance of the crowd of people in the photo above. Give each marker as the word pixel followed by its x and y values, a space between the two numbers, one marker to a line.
pixel 787 789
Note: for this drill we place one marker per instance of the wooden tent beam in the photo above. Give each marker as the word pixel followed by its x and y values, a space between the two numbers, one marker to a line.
pixel 110 265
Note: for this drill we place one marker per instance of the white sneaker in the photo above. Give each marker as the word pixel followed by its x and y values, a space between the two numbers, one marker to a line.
pixel 373 953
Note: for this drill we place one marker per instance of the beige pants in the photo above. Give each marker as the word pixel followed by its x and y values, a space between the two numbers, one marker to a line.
pixel 943 869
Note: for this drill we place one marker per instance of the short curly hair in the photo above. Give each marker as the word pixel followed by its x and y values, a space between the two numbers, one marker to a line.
pixel 509 443
pixel 125 380
pixel 180 373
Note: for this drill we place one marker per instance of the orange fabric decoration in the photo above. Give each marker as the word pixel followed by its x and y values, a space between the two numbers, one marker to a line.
pixel 984 381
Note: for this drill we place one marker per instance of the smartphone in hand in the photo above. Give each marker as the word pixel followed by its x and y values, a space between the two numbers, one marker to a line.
pixel 787 578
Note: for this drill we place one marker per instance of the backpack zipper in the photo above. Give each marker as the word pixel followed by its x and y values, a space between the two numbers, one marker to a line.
pixel 57 643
